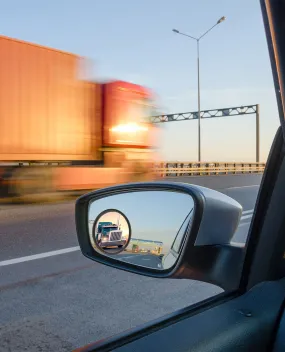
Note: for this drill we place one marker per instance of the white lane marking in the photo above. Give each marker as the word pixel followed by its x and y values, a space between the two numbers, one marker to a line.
pixel 242 187
pixel 247 214
pixel 77 248
pixel 246 217
pixel 39 256
pixel 247 211
pixel 244 223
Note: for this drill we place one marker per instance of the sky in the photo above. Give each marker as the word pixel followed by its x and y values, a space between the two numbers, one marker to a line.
pixel 133 40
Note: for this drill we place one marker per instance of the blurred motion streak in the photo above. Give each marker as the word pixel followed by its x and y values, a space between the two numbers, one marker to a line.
pixel 59 132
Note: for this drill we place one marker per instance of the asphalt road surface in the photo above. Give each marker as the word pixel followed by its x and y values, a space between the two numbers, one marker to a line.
pixel 54 299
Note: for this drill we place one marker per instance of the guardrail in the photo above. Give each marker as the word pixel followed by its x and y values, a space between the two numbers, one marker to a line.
pixel 172 169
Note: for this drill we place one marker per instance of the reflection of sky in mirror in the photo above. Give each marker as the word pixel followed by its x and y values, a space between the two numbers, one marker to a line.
pixel 153 215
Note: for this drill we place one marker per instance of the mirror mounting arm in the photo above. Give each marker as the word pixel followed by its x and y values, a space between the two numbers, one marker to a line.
pixel 219 265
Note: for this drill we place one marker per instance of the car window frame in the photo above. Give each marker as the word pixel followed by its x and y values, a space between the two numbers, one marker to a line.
pixel 267 225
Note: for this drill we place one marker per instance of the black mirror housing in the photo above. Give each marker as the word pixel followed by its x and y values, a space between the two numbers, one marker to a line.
pixel 206 253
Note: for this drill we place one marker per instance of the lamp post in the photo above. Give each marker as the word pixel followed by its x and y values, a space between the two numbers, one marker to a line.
pixel 198 74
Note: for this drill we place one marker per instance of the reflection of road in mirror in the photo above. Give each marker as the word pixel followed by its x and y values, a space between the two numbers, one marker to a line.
pixel 144 252
pixel 146 260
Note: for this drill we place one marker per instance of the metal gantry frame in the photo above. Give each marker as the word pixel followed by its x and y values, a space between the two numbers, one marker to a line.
pixel 215 113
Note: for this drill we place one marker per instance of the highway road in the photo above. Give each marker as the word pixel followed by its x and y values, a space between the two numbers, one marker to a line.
pixel 54 299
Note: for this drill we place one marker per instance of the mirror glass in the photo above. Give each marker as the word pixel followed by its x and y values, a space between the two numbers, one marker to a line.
pixel 145 228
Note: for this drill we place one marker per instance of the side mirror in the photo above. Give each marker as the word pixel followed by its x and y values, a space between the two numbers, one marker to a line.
pixel 163 230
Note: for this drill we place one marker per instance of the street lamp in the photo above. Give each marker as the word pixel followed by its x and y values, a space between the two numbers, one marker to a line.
pixel 198 69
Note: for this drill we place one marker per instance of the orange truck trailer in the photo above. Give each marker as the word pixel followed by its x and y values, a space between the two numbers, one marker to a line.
pixel 61 133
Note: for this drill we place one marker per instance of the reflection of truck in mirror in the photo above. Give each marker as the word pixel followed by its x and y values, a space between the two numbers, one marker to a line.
pixel 61 133
pixel 109 235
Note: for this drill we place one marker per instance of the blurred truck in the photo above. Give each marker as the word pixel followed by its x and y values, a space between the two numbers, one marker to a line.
pixel 59 132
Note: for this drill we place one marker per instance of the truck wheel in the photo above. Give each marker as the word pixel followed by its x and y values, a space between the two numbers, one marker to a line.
pixel 30 181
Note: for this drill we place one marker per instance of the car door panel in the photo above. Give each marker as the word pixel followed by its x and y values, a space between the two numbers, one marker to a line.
pixel 246 323
pixel 279 343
